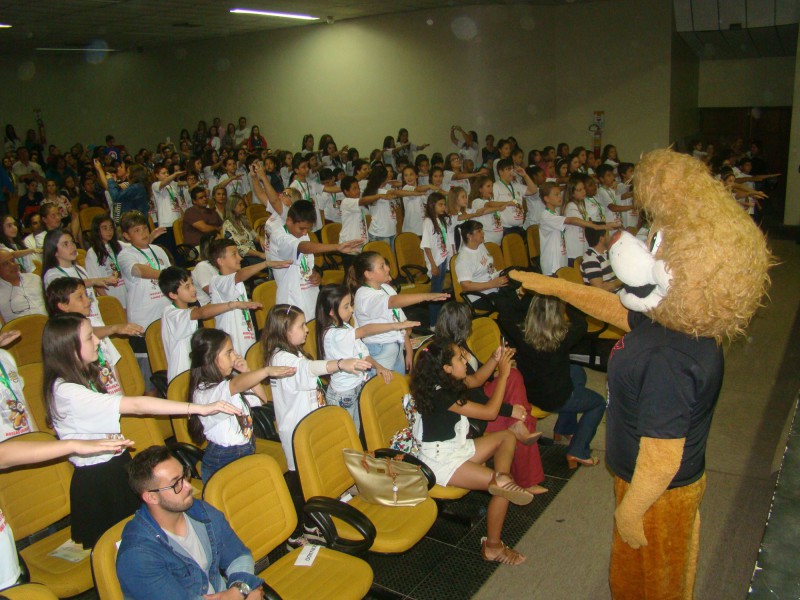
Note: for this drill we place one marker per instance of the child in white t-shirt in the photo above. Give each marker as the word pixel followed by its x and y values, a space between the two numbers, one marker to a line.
pixel 337 340
pixel 167 199
pixel 551 229
pixel 533 202
pixel 414 197
pixel 438 244
pixel 296 396
pixel 179 320
pixel 102 258
pixel 354 221
pixel 298 284
pixel 228 286
pixel 375 301
pixel 482 198
pixel 80 408
pixel 384 214
pixel 212 379
pixel 68 295
pixel 506 189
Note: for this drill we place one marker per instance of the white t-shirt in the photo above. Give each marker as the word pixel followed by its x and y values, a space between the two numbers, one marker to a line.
pixel 372 306
pixel 224 429
pixel 595 210
pixel 145 300
pixel 413 211
pixel 202 274
pixel 628 218
pixel 354 224
pixel 15 416
pixel 331 204
pixel 9 561
pixel 511 216
pixel 440 243
pixel 167 202
pixel 384 217
pixel 472 153
pixel 108 352
pixel 606 197
pixel 341 342
pixel 294 286
pixel 476 266
pixel 83 414
pixel 551 242
pixel 240 135
pixel 293 397
pixel 109 269
pixel 240 187
pixel 177 328
pixel 236 323
pixel 23 299
pixel 535 209
pixel 574 235
pixel 310 190
pixel 449 183
pixel 492 222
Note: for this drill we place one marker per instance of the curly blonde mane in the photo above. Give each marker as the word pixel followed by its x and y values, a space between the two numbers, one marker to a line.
pixel 716 255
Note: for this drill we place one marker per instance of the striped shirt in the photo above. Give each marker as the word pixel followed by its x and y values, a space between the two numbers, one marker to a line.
pixel 595 264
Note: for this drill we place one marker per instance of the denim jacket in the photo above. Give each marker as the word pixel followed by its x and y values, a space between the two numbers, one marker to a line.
pixel 133 197
pixel 149 566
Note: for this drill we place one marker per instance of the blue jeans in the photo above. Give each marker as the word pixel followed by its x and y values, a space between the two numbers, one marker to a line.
pixel 437 285
pixel 585 401
pixel 348 400
pixel 215 456
pixel 389 240
pixel 389 356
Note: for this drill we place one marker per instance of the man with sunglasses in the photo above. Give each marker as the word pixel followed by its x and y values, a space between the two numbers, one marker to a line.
pixel 175 546
pixel 20 293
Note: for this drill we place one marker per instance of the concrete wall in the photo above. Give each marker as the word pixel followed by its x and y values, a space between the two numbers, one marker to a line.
pixel 683 114
pixel 747 82
pixel 535 72
pixel 791 214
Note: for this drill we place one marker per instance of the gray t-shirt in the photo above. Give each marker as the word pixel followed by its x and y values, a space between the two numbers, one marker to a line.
pixel 190 544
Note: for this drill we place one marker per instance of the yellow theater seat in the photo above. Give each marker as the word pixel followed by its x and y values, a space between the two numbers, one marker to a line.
pixel 28 591
pixel 28 348
pixel 104 562
pixel 33 498
pixel 262 514
pixel 318 443
pixel 382 415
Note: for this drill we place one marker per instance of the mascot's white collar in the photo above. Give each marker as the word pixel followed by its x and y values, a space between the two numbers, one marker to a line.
pixel 646 278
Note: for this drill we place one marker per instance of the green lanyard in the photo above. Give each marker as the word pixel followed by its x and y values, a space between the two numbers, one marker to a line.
pixel 113 257
pixel 563 243
pixel 303 261
pixel 245 312
pixel 395 311
pixel 100 358
pixel 68 275
pixel 155 265
pixel 5 381
pixel 306 189
pixel 599 207
pixel 510 189
pixel 443 229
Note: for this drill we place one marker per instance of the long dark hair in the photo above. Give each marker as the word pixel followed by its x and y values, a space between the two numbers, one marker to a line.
pixel 429 377
pixel 375 179
pixel 361 264
pixel 328 301
pixel 205 345
pixel 61 355
pixel 97 241
pixel 49 249
pixel 274 336
pixel 454 322
pixel 11 243
pixel 430 212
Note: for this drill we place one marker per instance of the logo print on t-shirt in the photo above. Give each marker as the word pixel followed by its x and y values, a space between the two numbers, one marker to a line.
pixel 17 417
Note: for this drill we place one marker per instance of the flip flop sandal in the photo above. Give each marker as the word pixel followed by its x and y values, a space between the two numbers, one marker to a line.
pixel 510 491
pixel 506 555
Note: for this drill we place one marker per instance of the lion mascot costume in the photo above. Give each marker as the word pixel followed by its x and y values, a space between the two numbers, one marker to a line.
pixel 696 284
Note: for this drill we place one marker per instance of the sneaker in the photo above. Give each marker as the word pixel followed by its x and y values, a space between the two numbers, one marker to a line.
pixel 296 541
pixel 313 535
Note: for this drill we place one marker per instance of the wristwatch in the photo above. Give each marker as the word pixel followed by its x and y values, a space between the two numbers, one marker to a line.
pixel 243 588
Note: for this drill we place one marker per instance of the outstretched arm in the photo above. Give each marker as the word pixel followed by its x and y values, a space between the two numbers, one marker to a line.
pixel 593 301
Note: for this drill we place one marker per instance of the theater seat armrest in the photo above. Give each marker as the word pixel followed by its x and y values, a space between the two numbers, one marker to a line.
pixel 413 460
pixel 188 455
pixel 269 593
pixel 320 510
pixel 409 272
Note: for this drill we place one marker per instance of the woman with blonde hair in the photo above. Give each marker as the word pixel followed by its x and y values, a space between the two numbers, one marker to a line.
pixel 237 228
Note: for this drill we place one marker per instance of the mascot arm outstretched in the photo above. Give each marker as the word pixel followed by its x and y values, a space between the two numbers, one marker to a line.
pixel 598 303
pixel 656 465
